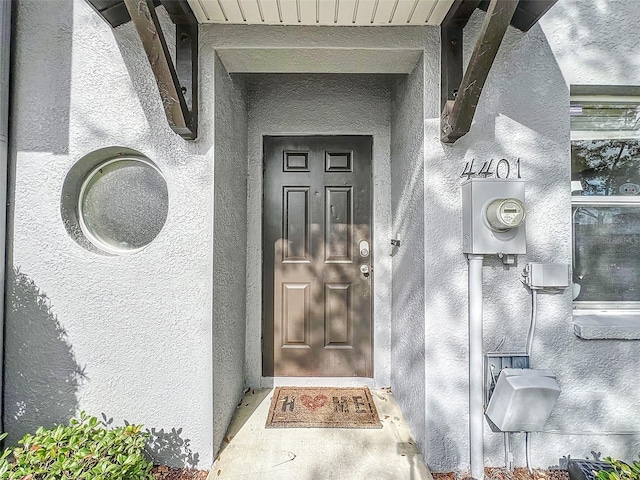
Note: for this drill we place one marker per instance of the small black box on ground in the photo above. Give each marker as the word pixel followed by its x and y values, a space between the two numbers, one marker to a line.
pixel 586 469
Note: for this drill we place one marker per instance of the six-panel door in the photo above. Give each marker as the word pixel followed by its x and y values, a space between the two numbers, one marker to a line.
pixel 317 278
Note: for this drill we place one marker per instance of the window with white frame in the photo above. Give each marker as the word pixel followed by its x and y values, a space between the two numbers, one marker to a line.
pixel 605 185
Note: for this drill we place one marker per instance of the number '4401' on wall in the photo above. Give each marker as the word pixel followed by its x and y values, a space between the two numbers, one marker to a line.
pixel 500 169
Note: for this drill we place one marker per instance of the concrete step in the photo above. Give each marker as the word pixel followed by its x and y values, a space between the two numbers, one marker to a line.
pixel 250 451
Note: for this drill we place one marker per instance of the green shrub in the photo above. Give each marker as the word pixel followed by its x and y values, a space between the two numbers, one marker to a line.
pixel 620 471
pixel 82 450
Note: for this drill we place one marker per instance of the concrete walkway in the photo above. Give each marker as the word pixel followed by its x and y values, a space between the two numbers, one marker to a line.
pixel 250 451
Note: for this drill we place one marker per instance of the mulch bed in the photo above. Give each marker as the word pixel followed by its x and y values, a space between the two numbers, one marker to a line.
pixel 503 474
pixel 162 472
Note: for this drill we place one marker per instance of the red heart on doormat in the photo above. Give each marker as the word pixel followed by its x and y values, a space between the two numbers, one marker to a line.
pixel 313 402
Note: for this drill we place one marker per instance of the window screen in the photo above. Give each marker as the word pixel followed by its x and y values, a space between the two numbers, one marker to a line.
pixel 605 174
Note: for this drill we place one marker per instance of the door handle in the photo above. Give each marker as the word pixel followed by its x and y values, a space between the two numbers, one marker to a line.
pixel 364 269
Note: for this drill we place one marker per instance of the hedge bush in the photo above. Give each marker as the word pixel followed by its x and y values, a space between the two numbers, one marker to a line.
pixel 82 450
pixel 620 471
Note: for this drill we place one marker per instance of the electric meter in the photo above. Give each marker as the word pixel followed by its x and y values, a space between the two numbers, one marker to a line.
pixel 504 214
pixel 493 216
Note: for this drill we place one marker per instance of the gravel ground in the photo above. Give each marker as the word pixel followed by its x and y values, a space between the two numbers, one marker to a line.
pixel 161 472
pixel 503 474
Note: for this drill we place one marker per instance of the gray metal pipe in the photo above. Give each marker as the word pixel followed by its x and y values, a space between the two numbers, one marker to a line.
pixel 476 410
pixel 5 38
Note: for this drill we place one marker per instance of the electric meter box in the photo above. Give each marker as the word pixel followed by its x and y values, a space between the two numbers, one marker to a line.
pixel 493 216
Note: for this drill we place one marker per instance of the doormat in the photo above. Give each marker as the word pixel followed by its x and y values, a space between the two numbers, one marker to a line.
pixel 305 407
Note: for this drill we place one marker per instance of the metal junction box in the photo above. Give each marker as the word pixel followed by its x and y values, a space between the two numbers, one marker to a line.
pixel 547 275
pixel 485 202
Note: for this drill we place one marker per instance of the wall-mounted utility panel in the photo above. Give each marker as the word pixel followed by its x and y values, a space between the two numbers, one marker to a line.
pixel 493 214
pixel 523 400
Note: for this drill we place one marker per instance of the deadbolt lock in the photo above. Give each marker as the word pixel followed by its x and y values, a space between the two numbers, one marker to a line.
pixel 364 248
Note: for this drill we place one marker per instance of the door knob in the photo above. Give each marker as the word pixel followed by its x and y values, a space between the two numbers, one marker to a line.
pixel 364 269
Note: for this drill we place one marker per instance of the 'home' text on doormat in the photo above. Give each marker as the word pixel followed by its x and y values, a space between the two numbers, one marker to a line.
pixel 306 407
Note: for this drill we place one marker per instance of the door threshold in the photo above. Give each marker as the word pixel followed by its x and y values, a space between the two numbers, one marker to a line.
pixel 270 382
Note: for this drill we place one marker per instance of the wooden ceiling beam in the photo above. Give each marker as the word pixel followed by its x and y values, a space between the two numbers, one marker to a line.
pixel 180 109
pixel 527 13
pixel 458 113
pixel 186 65
pixel 113 12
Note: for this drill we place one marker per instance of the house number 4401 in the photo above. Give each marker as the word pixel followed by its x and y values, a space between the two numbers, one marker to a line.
pixel 500 169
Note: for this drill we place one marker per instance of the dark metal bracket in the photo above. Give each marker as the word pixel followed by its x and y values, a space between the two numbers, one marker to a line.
pixel 177 82
pixel 451 31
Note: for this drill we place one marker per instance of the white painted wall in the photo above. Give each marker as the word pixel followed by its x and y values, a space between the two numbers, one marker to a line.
pixel 229 262
pixel 327 107
pixel 522 114
pixel 129 336
pixel 595 42
pixel 138 331
pixel 407 203
pixel 5 43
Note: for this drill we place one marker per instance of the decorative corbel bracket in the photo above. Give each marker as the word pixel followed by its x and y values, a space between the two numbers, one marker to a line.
pixel 177 84
pixel 461 102
pixel 451 31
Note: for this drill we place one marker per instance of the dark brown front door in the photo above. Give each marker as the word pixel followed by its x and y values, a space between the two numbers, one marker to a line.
pixel 317 274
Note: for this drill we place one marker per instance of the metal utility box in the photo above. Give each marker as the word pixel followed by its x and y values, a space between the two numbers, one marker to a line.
pixel 547 275
pixel 580 469
pixel 493 213
pixel 523 399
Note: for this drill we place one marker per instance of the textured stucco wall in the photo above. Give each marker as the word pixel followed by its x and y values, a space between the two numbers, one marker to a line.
pixel 595 42
pixel 331 105
pixel 229 262
pixel 407 204
pixel 5 42
pixel 130 336
pixel 522 114
pixel 322 105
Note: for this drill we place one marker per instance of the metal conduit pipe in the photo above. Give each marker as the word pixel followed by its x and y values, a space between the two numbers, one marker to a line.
pixel 476 410
pixel 508 451
pixel 5 37
pixel 534 317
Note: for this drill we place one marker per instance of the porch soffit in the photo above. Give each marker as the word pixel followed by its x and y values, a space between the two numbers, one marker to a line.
pixel 459 94
pixel 322 12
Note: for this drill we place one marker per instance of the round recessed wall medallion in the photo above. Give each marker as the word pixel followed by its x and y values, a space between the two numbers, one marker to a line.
pixel 121 203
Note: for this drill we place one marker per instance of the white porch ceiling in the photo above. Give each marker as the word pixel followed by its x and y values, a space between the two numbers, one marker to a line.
pixel 322 12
